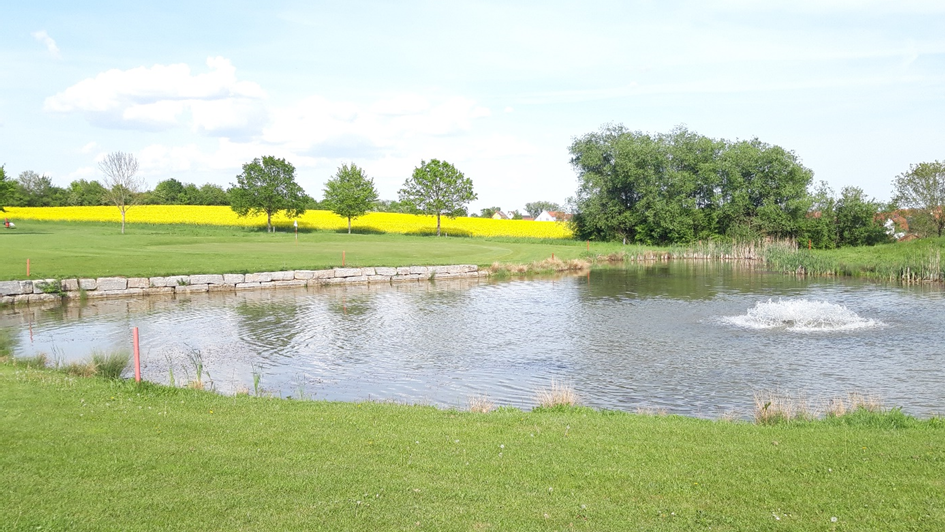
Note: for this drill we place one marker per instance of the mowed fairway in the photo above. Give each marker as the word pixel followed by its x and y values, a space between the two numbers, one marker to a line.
pixel 94 249
pixel 90 454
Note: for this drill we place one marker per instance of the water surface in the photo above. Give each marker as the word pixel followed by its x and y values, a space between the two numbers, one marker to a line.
pixel 691 338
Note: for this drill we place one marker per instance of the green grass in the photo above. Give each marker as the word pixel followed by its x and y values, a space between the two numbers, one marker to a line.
pixel 70 249
pixel 93 454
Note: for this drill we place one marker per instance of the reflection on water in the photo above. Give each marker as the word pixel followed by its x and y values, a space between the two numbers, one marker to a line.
pixel 693 338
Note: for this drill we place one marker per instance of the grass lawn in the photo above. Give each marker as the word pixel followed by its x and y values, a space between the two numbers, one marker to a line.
pixel 90 249
pixel 92 454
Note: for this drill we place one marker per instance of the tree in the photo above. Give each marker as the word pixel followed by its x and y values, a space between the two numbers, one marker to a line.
pixel 536 207
pixel 858 223
pixel 85 193
pixel 350 193
pixel 437 187
pixel 923 188
pixel 122 188
pixel 489 212
pixel 6 189
pixel 267 186
pixel 35 190
pixel 680 187
pixel 169 192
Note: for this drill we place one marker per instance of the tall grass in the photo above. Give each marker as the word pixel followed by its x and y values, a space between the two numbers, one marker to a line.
pixel 110 365
pixel 906 262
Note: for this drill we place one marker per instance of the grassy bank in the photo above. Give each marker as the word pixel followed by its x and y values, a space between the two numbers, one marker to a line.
pixel 91 249
pixel 94 454
pixel 908 262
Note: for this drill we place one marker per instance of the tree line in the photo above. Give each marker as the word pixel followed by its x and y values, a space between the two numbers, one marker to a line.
pixel 681 187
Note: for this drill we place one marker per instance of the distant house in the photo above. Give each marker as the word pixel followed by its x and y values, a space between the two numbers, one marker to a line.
pixel 552 216
pixel 499 215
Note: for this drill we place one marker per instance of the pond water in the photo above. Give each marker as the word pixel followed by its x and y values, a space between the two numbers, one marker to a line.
pixel 689 338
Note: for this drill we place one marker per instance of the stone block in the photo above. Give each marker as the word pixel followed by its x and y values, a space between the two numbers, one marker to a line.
pixel 159 290
pixel 355 280
pixel 129 292
pixel 248 286
pixel 408 277
pixel 139 282
pixel 283 276
pixel 379 278
pixel 70 285
pixel 419 270
pixel 403 270
pixel 304 275
pixel 323 274
pixel 234 278
pixel 192 289
pixel 177 280
pixel 111 283
pixel 221 287
pixel 263 277
pixel 367 272
pixel 295 283
pixel 15 288
pixel 7 300
pixel 389 272
pixel 88 284
pixel 157 282
pixel 347 272
pixel 206 279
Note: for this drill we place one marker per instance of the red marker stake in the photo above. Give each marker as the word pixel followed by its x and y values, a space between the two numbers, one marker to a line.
pixel 342 259
pixel 134 334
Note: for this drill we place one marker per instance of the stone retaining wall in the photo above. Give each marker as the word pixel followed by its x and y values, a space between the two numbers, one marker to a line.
pixel 45 290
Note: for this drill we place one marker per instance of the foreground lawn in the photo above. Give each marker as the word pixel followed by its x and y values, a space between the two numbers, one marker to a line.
pixel 91 454
pixel 92 249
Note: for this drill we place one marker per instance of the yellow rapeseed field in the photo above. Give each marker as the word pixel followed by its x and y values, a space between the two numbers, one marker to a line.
pixel 321 220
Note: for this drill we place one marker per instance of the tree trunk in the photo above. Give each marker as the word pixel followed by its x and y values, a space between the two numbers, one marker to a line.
pixel 349 225
pixel 122 221
pixel 437 224
pixel 268 222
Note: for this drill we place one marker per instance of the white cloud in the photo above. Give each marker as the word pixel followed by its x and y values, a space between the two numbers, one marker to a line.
pixel 160 97
pixel 48 41
pixel 88 147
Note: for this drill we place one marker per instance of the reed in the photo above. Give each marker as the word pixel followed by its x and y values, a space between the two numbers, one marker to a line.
pixel 560 394
pixel 481 404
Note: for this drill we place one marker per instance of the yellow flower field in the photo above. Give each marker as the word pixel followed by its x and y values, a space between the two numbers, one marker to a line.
pixel 324 220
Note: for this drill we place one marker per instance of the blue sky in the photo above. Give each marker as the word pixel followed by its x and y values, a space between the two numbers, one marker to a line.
pixel 856 88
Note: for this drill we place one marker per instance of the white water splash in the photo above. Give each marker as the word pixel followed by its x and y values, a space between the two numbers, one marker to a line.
pixel 801 315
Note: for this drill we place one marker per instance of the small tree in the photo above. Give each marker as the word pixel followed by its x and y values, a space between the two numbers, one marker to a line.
pixel 437 187
pixel 350 193
pixel 267 186
pixel 122 188
pixel 923 188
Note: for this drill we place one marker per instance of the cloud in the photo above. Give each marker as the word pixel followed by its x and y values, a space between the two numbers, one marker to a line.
pixel 88 147
pixel 48 41
pixel 214 103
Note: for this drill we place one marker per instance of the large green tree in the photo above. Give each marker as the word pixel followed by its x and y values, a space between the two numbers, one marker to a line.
pixel 858 223
pixel 681 187
pixel 83 193
pixel 922 188
pixel 6 189
pixel 350 193
pixel 267 186
pixel 438 188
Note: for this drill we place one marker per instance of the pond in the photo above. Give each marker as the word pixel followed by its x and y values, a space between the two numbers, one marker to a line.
pixel 691 338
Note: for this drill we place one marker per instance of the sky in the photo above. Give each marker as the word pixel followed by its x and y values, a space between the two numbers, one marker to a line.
pixel 855 88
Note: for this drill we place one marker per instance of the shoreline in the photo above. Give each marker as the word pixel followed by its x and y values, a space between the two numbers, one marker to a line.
pixel 45 291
